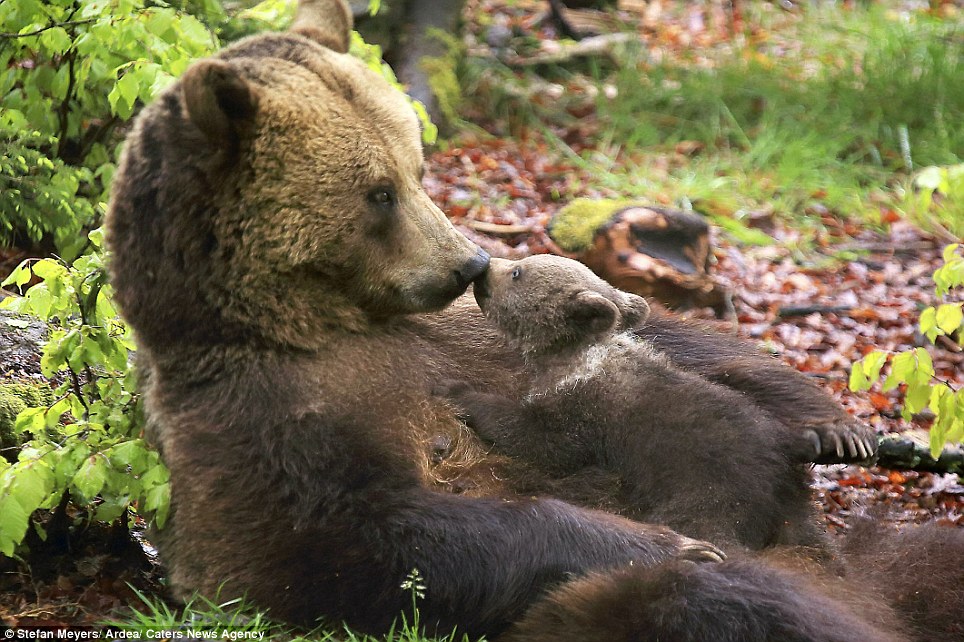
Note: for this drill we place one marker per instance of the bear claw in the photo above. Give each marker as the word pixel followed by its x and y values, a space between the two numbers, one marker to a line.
pixel 840 443
pixel 696 550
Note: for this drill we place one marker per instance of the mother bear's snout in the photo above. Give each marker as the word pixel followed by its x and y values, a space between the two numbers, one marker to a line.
pixel 472 269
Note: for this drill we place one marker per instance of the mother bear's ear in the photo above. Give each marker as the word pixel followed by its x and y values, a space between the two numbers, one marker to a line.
pixel 218 101
pixel 327 22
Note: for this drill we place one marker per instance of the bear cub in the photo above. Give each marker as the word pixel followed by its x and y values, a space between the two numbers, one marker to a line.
pixel 693 455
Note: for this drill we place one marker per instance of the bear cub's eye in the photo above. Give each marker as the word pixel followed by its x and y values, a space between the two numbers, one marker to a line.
pixel 382 197
pixel 516 273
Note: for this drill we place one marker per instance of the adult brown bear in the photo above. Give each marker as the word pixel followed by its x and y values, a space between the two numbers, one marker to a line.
pixel 279 262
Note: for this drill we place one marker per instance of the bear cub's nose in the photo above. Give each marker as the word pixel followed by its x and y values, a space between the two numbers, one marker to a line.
pixel 472 270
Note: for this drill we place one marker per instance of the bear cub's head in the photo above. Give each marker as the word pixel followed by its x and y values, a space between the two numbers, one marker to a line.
pixel 550 305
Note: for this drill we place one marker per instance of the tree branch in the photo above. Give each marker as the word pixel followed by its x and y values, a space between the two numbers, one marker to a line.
pixel 68 23
pixel 63 112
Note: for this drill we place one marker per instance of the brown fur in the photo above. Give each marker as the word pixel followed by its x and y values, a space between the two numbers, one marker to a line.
pixel 268 282
pixel 918 570
pixel 782 392
pixel 283 270
pixel 737 601
pixel 601 398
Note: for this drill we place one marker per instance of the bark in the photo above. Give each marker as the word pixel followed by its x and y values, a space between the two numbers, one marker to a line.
pixel 421 20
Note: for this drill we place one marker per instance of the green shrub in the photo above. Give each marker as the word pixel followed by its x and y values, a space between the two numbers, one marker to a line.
pixel 71 73
pixel 87 444
pixel 915 369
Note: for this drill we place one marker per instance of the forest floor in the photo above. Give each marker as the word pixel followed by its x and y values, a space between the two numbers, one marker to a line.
pixel 882 291
pixel 857 253
pixel 516 159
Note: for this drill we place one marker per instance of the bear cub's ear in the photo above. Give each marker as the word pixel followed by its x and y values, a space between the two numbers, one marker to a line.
pixel 591 313
pixel 635 310
pixel 218 100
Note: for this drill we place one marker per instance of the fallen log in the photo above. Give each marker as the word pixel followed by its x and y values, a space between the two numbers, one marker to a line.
pixel 657 252
pixel 911 451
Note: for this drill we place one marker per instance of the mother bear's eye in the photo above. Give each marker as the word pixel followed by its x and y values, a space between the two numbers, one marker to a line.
pixel 382 197
pixel 516 273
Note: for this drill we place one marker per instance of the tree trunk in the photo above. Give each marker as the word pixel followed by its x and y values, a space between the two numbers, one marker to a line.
pixel 422 20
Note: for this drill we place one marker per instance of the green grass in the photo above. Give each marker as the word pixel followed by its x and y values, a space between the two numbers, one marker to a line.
pixel 865 99
pixel 836 109
pixel 201 616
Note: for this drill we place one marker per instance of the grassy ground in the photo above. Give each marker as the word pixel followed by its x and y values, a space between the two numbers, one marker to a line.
pixel 234 619
pixel 833 110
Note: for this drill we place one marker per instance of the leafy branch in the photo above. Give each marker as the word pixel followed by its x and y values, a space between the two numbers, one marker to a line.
pixel 53 25
pixel 87 443
pixel 914 369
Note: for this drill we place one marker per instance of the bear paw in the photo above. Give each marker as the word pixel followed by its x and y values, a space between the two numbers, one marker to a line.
pixel 842 442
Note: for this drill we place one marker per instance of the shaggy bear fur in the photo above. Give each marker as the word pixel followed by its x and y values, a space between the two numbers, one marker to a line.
pixel 918 570
pixel 286 275
pixel 737 601
pixel 266 250
pixel 601 397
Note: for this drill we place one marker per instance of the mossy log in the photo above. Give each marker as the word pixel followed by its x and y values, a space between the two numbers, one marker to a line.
pixel 657 252
pixel 16 397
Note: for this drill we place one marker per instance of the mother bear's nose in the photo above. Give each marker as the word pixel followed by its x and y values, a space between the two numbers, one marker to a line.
pixel 473 269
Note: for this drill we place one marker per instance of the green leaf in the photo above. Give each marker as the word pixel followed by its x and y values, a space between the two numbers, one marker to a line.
pixel 928 324
pixel 156 476
pixel 158 500
pixel 111 509
pixel 429 129
pixel 30 420
pixel 131 453
pixel 71 458
pixel 39 301
pixel 924 367
pixel 950 252
pixel 52 417
pixel 13 524
pixel 91 477
pixel 949 317
pixel 858 380
pixel 902 368
pixel 874 361
pixel 129 85
pixel 19 277
pixel 56 40
pixel 94 8
pixel 32 483
pixel 916 397
pixel 275 13
pixel 48 269
pixel 159 22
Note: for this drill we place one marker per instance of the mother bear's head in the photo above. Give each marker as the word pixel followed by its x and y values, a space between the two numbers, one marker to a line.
pixel 273 193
